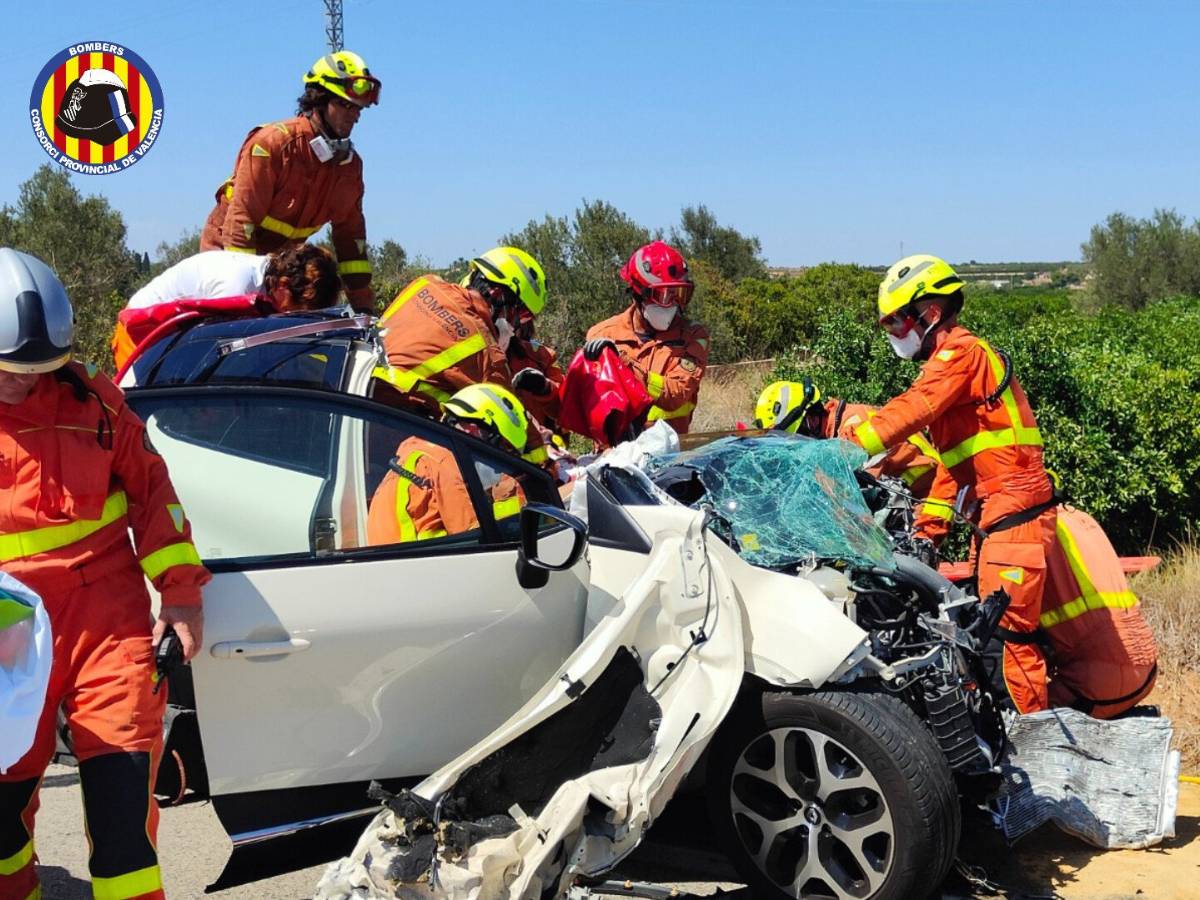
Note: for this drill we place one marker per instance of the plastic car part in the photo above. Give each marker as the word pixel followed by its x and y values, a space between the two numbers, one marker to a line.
pixel 787 499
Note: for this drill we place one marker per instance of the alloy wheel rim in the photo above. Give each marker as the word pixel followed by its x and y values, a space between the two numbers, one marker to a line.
pixel 812 817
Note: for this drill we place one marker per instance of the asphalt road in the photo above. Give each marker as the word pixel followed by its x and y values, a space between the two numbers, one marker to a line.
pixel 193 850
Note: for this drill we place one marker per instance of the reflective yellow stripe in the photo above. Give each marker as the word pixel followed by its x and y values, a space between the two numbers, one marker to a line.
pixel 404 296
pixel 181 554
pixel 502 509
pixel 657 412
pixel 132 884
pixel 918 441
pixel 11 865
pixel 451 356
pixel 990 440
pixel 869 438
pixel 912 475
pixel 435 392
pixel 397 378
pixel 408 528
pixel 249 250
pixel 937 509
pixel 1017 436
pixel 53 537
pixel 1089 598
pixel 294 234
pixel 36 895
pixel 654 385
pixel 354 267
pixel 537 455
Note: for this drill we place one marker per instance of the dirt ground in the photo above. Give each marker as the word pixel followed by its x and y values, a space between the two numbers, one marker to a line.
pixel 678 854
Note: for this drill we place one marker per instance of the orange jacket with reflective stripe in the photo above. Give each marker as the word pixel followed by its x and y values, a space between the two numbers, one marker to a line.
pixel 1103 648
pixel 439 339
pixel 280 193
pixel 670 363
pixel 424 496
pixel 77 476
pixel 534 354
pixel 995 447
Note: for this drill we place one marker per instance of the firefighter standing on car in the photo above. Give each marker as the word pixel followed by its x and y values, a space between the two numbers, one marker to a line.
pixel 80 473
pixel 982 425
pixel 440 337
pixel 424 495
pixel 293 177
pixel 654 338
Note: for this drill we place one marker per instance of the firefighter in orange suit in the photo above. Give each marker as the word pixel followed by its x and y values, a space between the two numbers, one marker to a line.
pixel 440 337
pixel 1104 653
pixel 79 474
pixel 424 495
pixel 666 350
pixel 293 177
pixel 981 424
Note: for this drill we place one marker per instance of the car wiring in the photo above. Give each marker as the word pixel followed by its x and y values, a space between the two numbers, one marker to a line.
pixel 701 634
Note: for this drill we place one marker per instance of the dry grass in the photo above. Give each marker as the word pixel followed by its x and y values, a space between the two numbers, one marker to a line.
pixel 1171 601
pixel 728 392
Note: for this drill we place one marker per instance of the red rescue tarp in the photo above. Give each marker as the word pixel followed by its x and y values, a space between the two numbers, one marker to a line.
pixel 601 398
pixel 138 329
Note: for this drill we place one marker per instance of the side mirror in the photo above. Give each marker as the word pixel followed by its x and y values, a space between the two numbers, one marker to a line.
pixel 545 546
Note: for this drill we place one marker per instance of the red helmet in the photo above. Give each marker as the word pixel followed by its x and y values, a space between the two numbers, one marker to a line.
pixel 657 273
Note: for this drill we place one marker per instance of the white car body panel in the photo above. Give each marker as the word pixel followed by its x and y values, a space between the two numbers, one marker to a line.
pixel 679 591
pixel 381 650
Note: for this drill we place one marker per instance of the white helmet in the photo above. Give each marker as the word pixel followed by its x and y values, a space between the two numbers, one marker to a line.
pixel 37 323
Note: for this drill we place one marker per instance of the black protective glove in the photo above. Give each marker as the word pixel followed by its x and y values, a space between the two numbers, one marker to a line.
pixel 532 380
pixel 925 551
pixel 593 348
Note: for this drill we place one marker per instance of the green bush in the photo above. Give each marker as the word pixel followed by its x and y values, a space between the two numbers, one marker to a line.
pixel 1116 394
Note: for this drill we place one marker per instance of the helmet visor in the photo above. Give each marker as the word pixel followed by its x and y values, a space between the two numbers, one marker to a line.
pixel 361 89
pixel 670 294
pixel 899 323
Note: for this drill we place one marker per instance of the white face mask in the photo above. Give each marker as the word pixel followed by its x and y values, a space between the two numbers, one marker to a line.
pixel 659 317
pixel 908 346
pixel 504 333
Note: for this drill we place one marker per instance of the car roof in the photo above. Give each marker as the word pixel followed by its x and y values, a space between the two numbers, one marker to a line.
pixel 274 349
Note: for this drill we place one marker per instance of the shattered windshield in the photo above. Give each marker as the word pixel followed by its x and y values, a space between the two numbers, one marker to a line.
pixel 787 499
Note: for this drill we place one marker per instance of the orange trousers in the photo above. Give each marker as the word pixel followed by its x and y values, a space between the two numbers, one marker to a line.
pixel 1015 559
pixel 102 676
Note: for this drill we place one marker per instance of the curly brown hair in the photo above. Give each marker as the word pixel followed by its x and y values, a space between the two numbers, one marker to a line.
pixel 311 276
pixel 314 97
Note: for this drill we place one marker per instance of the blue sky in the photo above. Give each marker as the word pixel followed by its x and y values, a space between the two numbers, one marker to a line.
pixel 833 131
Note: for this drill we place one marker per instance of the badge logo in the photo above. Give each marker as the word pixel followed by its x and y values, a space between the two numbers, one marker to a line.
pixel 96 108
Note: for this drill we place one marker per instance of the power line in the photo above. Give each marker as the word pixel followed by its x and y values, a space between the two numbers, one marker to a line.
pixel 333 24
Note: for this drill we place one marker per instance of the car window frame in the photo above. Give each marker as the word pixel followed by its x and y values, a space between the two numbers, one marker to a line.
pixel 464 447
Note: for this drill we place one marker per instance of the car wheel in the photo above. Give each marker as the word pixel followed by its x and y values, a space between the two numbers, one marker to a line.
pixel 832 794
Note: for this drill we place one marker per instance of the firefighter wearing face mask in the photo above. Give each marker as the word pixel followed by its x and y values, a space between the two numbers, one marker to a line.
pixel 666 350
pixel 424 496
pixel 88 515
pixel 981 424
pixel 440 337
pixel 293 177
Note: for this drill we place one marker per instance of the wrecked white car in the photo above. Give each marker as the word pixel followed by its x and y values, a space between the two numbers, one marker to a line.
pixel 830 747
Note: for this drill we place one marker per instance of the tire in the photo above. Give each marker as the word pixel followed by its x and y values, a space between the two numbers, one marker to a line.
pixel 879 818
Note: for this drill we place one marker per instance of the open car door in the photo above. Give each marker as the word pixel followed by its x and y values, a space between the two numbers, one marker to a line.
pixel 329 662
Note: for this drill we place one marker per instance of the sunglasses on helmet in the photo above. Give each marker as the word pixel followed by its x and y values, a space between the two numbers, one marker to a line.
pixel 670 294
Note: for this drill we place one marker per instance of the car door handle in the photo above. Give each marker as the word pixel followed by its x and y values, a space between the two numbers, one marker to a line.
pixel 246 649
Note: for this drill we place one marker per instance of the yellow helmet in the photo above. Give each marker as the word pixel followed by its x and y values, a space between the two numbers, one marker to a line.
pixel 346 75
pixel 783 404
pixel 915 277
pixel 493 406
pixel 516 270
